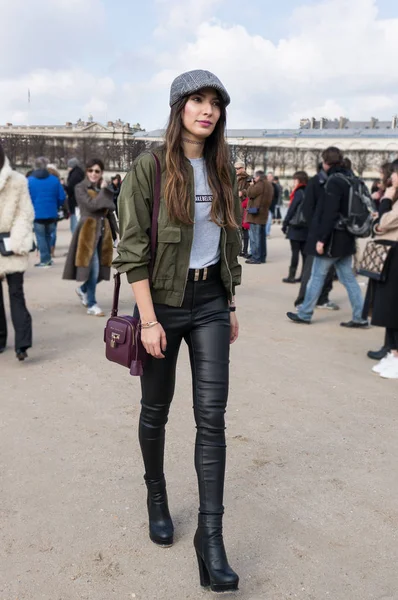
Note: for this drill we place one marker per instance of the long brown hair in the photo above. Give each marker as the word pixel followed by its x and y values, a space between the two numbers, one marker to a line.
pixel 386 170
pixel 216 155
pixel 394 169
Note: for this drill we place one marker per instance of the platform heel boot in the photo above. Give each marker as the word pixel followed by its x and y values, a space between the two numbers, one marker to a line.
pixel 214 570
pixel 161 529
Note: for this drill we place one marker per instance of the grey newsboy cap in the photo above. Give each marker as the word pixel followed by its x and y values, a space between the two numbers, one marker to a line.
pixel 73 162
pixel 193 81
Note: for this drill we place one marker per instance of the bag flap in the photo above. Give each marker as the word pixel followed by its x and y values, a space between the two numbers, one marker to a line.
pixel 117 330
pixel 169 235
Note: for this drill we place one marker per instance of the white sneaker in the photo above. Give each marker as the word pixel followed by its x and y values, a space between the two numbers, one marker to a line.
pixel 381 366
pixel 391 369
pixel 95 311
pixel 82 296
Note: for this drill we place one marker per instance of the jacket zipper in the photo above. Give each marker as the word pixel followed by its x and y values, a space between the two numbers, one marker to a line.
pixel 226 262
pixel 190 248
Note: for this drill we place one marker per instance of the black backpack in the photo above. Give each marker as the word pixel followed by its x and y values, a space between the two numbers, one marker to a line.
pixel 359 220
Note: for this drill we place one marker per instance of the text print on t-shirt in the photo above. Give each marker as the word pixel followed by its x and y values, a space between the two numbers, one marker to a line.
pixel 204 198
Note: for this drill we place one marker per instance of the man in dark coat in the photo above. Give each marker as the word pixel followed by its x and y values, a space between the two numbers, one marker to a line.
pixel 274 203
pixel 313 194
pixel 332 244
pixel 260 198
pixel 75 176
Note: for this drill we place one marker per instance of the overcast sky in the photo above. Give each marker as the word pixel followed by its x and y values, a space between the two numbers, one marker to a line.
pixel 279 59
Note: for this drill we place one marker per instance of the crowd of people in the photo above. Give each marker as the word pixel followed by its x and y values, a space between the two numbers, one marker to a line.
pixel 30 209
pixel 261 200
pixel 316 226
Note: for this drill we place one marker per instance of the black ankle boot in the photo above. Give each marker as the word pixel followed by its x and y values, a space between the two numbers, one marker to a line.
pixel 161 527
pixel 21 354
pixel 214 570
pixel 291 278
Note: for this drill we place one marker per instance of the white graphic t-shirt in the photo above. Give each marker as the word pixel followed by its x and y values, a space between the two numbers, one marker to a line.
pixel 206 237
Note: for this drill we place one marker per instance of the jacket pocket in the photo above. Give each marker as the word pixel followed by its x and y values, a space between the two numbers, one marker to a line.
pixel 233 246
pixel 166 254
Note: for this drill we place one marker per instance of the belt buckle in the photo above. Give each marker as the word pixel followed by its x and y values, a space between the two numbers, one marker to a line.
pixel 197 273
pixel 204 274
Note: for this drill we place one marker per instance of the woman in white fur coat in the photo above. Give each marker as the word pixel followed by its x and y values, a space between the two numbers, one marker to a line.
pixel 16 219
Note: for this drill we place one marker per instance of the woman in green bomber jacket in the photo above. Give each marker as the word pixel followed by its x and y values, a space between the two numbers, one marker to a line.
pixel 191 297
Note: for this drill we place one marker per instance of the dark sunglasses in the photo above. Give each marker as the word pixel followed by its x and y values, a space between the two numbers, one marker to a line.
pixel 94 171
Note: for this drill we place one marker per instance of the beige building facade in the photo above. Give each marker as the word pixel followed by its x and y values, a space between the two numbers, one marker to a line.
pixel 367 144
pixel 69 130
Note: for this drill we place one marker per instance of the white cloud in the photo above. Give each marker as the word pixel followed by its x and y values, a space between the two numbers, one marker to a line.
pixel 55 93
pixel 49 34
pixel 184 16
pixel 336 61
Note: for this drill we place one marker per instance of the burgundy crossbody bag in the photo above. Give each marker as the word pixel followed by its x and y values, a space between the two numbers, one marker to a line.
pixel 122 335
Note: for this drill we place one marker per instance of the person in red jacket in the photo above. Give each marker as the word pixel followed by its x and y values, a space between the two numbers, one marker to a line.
pixel 245 229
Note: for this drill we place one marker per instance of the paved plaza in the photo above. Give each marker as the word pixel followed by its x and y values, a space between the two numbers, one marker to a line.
pixel 312 486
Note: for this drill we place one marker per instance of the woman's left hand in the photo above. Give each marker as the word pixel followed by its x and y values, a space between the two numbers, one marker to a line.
pixel 234 328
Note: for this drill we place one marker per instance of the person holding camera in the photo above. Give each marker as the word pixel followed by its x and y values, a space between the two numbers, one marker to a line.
pixel 243 181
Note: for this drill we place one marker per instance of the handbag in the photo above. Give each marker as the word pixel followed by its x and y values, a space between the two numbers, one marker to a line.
pixel 298 220
pixel 122 335
pixel 375 261
pixel 3 245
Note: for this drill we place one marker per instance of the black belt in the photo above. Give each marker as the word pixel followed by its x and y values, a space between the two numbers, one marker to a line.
pixel 204 274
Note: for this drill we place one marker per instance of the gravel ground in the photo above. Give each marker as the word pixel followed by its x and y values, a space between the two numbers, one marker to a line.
pixel 311 492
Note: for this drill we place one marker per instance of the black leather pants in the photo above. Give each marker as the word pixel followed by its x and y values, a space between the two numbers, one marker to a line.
pixel 203 321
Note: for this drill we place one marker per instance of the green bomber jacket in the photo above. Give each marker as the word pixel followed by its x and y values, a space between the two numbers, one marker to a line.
pixel 174 244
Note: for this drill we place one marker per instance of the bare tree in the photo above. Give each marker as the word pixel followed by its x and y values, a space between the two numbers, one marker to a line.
pixel 12 147
pixel 273 157
pixel 360 160
pixel 316 154
pixel 234 153
pixel 246 152
pixel 283 154
pixel 296 158
pixel 132 149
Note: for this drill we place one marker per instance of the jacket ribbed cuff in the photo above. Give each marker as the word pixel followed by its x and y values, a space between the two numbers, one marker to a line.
pixel 137 274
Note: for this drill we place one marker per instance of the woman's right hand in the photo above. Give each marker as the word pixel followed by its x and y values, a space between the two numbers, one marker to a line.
pixel 154 340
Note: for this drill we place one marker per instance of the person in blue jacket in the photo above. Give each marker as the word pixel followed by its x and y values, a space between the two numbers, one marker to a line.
pixel 48 196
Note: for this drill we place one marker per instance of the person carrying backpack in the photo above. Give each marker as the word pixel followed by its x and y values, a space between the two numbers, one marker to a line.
pixel 338 220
